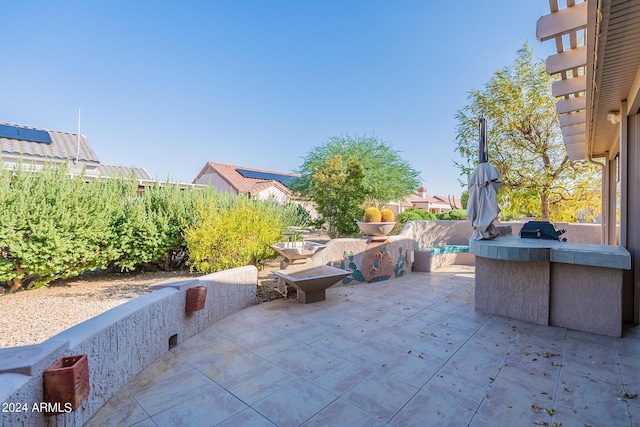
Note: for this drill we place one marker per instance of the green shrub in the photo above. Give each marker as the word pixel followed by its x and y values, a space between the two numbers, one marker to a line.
pixel 55 226
pixel 405 216
pixel 454 215
pixel 415 214
pixel 426 215
pixel 230 234
pixel 52 226
pixel 150 227
pixel 301 216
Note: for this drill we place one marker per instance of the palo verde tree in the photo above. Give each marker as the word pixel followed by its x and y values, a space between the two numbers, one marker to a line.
pixel 337 189
pixel 525 145
pixel 387 176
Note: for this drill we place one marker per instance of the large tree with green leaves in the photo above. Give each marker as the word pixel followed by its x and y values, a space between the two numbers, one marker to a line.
pixel 337 189
pixel 525 145
pixel 386 176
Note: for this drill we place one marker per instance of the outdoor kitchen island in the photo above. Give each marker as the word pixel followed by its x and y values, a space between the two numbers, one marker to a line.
pixel 548 282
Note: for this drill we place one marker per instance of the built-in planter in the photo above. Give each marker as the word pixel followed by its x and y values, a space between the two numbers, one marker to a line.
pixel 376 228
pixel 66 384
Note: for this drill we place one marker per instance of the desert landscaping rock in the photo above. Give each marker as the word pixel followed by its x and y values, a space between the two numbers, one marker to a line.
pixel 31 317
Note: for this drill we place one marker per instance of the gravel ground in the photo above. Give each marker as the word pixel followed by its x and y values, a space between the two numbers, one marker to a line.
pixel 31 317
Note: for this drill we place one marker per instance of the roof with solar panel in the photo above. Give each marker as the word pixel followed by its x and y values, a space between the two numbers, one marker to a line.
pixel 248 180
pixel 29 142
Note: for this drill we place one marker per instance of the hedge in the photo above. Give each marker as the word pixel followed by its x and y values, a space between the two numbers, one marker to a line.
pixel 53 225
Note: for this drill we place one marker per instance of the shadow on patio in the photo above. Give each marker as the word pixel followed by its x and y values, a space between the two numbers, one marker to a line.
pixel 410 351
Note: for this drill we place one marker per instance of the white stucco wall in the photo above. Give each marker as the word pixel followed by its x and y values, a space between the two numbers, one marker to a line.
pixel 272 193
pixel 213 179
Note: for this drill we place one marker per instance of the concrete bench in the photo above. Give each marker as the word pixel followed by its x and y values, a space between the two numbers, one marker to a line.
pixel 430 258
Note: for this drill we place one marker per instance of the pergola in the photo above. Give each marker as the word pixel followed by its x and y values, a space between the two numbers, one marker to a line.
pixel 598 60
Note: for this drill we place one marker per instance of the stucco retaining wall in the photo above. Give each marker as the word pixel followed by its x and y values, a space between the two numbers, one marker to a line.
pixel 437 232
pixel 576 232
pixel 120 343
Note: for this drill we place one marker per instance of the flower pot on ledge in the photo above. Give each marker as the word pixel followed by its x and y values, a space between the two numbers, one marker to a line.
pixel 376 228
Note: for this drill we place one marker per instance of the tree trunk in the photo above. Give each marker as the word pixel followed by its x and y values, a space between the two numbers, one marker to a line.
pixel 544 199
pixel 16 282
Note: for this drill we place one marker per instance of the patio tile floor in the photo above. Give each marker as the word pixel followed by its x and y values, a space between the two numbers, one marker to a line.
pixel 410 351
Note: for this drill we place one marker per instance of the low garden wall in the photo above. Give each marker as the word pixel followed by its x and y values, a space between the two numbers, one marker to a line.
pixel 369 260
pixel 437 233
pixel 119 344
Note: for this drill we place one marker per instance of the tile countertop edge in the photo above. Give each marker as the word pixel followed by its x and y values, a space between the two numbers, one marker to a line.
pixel 607 256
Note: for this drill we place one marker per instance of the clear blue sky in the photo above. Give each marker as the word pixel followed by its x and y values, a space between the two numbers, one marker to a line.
pixel 169 85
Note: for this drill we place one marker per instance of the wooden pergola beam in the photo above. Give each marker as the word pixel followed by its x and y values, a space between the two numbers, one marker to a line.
pixel 569 86
pixel 568 60
pixel 573 118
pixel 571 104
pixel 563 21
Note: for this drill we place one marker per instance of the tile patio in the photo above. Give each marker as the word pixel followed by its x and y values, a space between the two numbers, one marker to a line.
pixel 405 352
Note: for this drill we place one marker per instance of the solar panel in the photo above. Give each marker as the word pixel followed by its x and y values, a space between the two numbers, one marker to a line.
pixel 9 132
pixel 267 176
pixel 35 135
pixel 25 134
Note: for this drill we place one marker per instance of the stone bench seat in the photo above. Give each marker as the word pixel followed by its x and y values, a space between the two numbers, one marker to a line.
pixel 430 258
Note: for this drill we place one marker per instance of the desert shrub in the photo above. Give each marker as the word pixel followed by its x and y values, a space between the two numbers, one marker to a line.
pixel 426 215
pixel 52 225
pixel 231 233
pixel 415 214
pixel 150 227
pixel 301 216
pixel 405 216
pixel 454 215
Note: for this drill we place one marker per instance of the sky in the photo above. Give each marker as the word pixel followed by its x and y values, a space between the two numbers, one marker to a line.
pixel 170 85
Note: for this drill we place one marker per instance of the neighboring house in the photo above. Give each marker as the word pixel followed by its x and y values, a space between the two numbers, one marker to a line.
pixel 598 92
pixel 259 184
pixel 106 171
pixel 33 147
pixel 421 200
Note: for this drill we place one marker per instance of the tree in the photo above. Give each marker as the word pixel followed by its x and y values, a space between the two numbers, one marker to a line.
pixel 464 199
pixel 525 145
pixel 337 189
pixel 387 176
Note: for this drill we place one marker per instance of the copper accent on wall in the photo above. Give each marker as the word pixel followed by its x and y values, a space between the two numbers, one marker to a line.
pixel 196 297
pixel 66 383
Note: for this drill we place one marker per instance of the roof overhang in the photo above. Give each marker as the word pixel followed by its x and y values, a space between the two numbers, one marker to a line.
pixel 598 60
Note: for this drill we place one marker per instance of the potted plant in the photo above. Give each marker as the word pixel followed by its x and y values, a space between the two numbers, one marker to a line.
pixel 376 222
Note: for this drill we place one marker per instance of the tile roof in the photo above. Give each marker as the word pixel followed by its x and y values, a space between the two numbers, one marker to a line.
pixel 241 183
pixel 123 171
pixel 417 199
pixel 64 146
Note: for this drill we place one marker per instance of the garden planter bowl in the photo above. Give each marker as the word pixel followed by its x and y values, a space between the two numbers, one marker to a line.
pixel 376 228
